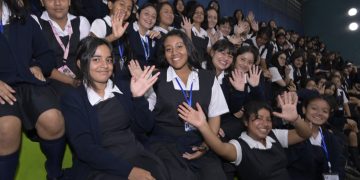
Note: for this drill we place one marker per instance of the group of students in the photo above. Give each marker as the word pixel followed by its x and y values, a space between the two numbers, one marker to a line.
pixel 162 93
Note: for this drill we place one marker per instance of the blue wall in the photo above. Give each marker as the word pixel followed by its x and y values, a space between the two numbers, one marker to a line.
pixel 329 20
pixel 261 10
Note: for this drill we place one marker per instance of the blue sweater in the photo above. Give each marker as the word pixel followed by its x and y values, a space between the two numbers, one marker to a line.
pixel 24 45
pixel 83 133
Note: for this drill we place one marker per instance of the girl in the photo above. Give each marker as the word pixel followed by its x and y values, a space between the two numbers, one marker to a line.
pixel 142 38
pixel 258 152
pixel 179 144
pixel 322 152
pixel 165 18
pixel 63 32
pixel 281 74
pixel 298 68
pixel 211 23
pixel 26 100
pixel 102 117
pixel 113 27
pixel 179 12
pixel 199 36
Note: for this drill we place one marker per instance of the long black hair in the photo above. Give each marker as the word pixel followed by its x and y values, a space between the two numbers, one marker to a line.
pixel 18 10
pixel 220 46
pixel 252 108
pixel 193 56
pixel 275 63
pixel 85 51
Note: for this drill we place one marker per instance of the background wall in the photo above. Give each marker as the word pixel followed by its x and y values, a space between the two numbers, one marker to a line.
pixel 329 20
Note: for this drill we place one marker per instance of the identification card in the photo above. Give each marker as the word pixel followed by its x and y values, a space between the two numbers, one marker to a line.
pixel 330 176
pixel 189 127
pixel 66 70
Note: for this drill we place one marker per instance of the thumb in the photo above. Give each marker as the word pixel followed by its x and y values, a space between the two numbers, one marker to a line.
pixel 280 115
pixel 198 107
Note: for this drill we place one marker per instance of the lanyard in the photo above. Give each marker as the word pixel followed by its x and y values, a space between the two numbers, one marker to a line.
pixel 121 52
pixel 188 99
pixel 1 27
pixel 323 145
pixel 145 44
pixel 57 36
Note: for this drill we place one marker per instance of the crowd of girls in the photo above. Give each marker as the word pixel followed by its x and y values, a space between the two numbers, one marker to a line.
pixel 172 91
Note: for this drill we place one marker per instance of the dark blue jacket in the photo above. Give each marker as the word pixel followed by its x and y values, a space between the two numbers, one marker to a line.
pixel 83 133
pixel 24 45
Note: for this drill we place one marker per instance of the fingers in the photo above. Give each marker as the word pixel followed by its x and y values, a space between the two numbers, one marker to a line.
pixel 6 94
pixel 279 115
pixel 281 102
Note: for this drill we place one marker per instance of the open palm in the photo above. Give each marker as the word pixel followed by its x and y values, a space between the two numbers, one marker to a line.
pixel 288 107
pixel 118 28
pixel 139 85
pixel 238 80
pixel 254 76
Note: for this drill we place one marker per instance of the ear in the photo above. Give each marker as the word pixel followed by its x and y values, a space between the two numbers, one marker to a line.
pixel 78 63
pixel 246 123
pixel 304 110
pixel 137 16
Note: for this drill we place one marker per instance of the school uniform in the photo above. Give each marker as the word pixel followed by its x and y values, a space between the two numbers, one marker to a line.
pixel 201 41
pixel 101 131
pixel 299 76
pixel 171 136
pixel 91 9
pixel 64 44
pixel 143 47
pixel 121 47
pixel 307 160
pixel 162 30
pixel 262 49
pixel 257 161
pixel 277 76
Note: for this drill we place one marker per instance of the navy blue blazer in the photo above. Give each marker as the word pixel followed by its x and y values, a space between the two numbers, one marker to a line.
pixel 83 133
pixel 24 45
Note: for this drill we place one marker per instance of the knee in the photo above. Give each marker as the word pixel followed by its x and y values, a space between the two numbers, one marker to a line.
pixel 10 134
pixel 50 124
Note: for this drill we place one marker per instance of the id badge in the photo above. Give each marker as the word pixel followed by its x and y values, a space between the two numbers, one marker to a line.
pixel 189 127
pixel 122 62
pixel 331 176
pixel 66 70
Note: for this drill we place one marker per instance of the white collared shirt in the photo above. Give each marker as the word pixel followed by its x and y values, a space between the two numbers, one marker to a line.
pixel 217 106
pixel 84 26
pixel 98 27
pixel 202 34
pixel 5 14
pixel 281 135
pixel 317 140
pixel 276 76
pixel 221 77
pixel 95 98
pixel 161 29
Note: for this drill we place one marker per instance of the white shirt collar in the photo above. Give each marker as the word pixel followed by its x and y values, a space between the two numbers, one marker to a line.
pixel 5 14
pixel 94 97
pixel 193 78
pixel 65 32
pixel 221 77
pixel 317 140
pixel 136 27
pixel 256 144
pixel 253 39
pixel 105 1
pixel 107 19
pixel 161 29
pixel 202 33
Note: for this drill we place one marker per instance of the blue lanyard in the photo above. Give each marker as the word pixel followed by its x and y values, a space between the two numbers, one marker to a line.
pixel 121 51
pixel 1 27
pixel 146 47
pixel 188 99
pixel 323 145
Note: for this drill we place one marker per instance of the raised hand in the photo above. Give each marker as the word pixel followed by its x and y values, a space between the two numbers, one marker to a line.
pixel 186 24
pixel 240 28
pixel 6 94
pixel 135 68
pixel 254 76
pixel 139 85
pixel 196 118
pixel 254 26
pixel 118 28
pixel 154 34
pixel 251 16
pixel 36 71
pixel 238 80
pixel 288 107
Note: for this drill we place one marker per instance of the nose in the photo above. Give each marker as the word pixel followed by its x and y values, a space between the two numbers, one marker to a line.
pixel 57 2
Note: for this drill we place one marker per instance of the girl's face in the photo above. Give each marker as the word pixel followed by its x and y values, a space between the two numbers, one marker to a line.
pixel 221 59
pixel 176 53
pixel 282 60
pixel 317 112
pixel 166 15
pixel 336 81
pixel 101 65
pixel 212 18
pixel 301 42
pixel 244 61
pixel 124 6
pixel 298 62
pixel 180 6
pixel 239 15
pixel 57 9
pixel 225 29
pixel 272 24
pixel 260 125
pixel 330 91
pixel 311 85
pixel 147 17
pixel 198 15
pixel 321 82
